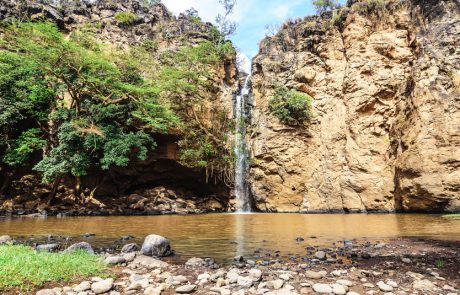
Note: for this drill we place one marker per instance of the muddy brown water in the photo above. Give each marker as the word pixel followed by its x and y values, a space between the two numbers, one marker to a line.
pixel 222 236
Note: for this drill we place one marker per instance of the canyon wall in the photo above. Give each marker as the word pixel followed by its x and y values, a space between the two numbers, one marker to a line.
pixel 385 133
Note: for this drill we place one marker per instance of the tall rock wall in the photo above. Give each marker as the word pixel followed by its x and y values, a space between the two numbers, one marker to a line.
pixel 385 133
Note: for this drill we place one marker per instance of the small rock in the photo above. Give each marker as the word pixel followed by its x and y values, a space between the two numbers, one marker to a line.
pixel 244 282
pixel 406 260
pixel 186 289
pixel 47 247
pixel 83 286
pixel 276 284
pixel 339 289
pixel 46 292
pixel 149 262
pixel 239 258
pixel 352 293
pixel 5 239
pixel 128 248
pixel 384 287
pixel 102 286
pixel 321 255
pixel 322 288
pixel 392 283
pixel 299 239
pixel 195 261
pixel 204 276
pixel 285 277
pixel 129 256
pixel 255 274
pixel 345 283
pixel 115 260
pixel 315 274
pixel 82 246
pixel 424 285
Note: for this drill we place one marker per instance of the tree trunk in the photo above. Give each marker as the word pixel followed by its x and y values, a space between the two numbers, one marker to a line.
pixel 53 192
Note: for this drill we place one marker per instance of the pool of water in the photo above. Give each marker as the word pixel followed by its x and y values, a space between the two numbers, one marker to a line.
pixel 222 236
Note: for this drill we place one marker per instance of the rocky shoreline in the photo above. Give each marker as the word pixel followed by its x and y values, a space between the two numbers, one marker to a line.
pixel 399 266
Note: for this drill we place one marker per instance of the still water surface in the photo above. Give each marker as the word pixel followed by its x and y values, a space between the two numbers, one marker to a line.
pixel 222 236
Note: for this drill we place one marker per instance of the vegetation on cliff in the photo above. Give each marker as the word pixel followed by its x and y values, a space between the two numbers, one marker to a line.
pixel 290 106
pixel 72 105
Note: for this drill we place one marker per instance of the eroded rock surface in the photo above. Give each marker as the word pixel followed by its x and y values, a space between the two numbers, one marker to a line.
pixel 386 120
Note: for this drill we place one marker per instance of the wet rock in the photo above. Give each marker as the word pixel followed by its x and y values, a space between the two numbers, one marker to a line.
pixel 102 286
pixel 88 235
pixel 82 246
pixel 115 260
pixel 126 238
pixel 195 261
pixel 186 289
pixel 46 292
pixel 5 239
pixel 384 287
pixel 321 255
pixel 83 286
pixel 128 248
pixel 299 239
pixel 155 245
pixel 322 288
pixel 238 258
pixel 47 247
pixel 315 274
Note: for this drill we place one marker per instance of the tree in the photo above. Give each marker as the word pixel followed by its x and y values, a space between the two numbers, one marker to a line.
pixel 225 25
pixel 83 107
pixel 325 5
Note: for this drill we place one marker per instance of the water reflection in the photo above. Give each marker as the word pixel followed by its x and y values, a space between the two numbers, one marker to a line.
pixel 223 236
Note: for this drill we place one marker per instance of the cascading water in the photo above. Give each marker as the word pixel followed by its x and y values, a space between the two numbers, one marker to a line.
pixel 243 203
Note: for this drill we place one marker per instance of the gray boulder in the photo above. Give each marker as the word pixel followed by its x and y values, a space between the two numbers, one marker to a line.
pixel 155 245
pixel 82 246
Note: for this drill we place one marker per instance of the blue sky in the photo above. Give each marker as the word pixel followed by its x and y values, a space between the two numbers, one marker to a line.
pixel 252 16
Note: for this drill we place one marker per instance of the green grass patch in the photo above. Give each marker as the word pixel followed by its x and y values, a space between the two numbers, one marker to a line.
pixel 453 216
pixel 23 268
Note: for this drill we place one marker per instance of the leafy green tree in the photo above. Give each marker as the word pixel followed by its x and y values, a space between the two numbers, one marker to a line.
pixel 93 109
pixel 291 107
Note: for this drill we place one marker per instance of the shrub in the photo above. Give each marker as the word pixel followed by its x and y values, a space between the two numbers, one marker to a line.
pixel 125 18
pixel 291 107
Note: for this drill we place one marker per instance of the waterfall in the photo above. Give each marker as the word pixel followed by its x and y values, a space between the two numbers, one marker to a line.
pixel 243 203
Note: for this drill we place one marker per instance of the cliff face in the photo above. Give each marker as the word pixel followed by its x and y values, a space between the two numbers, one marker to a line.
pixel 385 133
pixel 123 24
